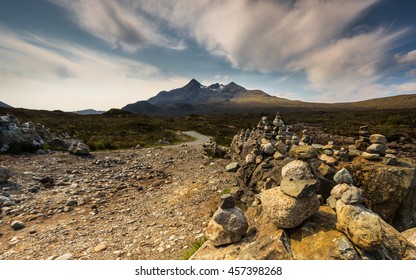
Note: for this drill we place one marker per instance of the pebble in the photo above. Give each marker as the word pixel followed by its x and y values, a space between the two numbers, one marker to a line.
pixel 64 257
pixel 100 247
pixel 16 225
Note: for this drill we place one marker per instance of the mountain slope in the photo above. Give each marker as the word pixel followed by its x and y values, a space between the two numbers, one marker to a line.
pixel 195 98
pixel 4 105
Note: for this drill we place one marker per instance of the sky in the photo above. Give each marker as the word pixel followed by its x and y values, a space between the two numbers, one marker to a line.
pixel 102 54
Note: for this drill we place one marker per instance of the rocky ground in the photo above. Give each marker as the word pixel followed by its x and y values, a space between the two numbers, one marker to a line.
pixel 133 204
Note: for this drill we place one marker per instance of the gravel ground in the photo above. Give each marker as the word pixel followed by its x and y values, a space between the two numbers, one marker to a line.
pixel 133 204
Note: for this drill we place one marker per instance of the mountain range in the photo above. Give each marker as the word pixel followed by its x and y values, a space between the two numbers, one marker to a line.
pixel 195 98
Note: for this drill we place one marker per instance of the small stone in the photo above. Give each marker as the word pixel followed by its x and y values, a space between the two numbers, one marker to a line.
pixel 268 149
pixel 47 182
pixel 370 156
pixel 250 158
pixel 378 139
pixel 328 159
pixel 303 152
pixel 279 156
pixel 16 225
pixel 390 159
pixel 343 176
pixel 299 188
pixel 5 174
pixel 65 257
pixel 376 149
pixel 297 170
pixel 226 201
pixel 100 247
pixel 71 202
pixel 338 190
pixel 331 201
pixel 352 195
pixel 232 167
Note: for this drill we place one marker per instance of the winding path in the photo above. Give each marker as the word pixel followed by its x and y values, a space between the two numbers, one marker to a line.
pixel 199 138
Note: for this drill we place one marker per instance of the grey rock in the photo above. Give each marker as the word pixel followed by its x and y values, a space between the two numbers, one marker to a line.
pixel 378 139
pixel 297 170
pixel 227 226
pixel 268 149
pixel 343 176
pixel 16 225
pixel 299 188
pixel 352 195
pixel 338 190
pixel 232 167
pixel 227 201
pixel 331 201
pixel 71 202
pixel 390 159
pixel 79 148
pixel 5 174
pixel 376 149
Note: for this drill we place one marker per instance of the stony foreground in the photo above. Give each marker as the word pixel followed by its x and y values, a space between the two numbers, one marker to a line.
pixel 136 204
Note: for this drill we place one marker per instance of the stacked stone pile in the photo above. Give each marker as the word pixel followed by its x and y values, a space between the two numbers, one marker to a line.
pixel 211 149
pixel 295 199
pixel 228 224
pixel 377 148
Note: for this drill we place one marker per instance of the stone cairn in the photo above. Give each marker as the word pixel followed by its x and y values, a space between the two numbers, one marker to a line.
pixel 295 200
pixel 367 230
pixel 211 149
pixel 228 224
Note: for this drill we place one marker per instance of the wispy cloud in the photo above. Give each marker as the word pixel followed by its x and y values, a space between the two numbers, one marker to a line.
pixel 118 23
pixel 58 72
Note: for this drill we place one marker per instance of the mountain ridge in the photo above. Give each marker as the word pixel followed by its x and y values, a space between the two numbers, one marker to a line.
pixel 195 98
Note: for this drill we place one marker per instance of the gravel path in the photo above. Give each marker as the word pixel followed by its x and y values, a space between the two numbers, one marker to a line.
pixel 199 138
pixel 134 204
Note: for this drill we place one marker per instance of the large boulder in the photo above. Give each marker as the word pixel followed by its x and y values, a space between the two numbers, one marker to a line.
pixel 370 233
pixel 389 191
pixel 286 211
pixel 318 239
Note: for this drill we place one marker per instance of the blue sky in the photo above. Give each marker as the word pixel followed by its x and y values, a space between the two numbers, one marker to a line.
pixel 102 54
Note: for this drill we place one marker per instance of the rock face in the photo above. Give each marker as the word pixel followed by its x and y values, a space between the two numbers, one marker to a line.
pixel 5 174
pixel 410 235
pixel 370 233
pixel 389 191
pixel 286 211
pixel 318 239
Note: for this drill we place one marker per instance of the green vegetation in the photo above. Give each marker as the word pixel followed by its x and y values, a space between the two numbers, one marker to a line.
pixel 194 247
pixel 117 129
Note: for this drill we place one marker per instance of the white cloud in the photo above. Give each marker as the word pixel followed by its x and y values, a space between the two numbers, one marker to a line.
pixel 409 57
pixel 118 23
pixel 37 72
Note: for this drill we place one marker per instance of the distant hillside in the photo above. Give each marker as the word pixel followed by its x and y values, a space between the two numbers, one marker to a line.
pixel 4 105
pixel 88 112
pixel 195 98
pixel 406 101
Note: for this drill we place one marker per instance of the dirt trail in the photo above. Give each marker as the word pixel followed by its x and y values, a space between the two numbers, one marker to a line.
pixel 134 204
